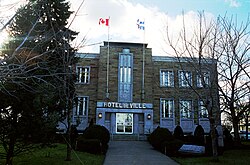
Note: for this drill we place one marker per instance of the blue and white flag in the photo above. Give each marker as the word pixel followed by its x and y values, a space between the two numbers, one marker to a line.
pixel 140 24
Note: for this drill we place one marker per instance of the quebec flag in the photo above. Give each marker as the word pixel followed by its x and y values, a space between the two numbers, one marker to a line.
pixel 140 24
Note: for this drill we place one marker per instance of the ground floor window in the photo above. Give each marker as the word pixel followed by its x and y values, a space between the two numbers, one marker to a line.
pixel 203 112
pixel 167 108
pixel 81 106
pixel 186 109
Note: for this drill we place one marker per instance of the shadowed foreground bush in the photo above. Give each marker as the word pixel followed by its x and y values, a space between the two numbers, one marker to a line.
pixel 178 133
pixel 158 136
pixel 199 136
pixel 93 146
pixel 171 148
pixel 94 140
pixel 163 140
pixel 97 132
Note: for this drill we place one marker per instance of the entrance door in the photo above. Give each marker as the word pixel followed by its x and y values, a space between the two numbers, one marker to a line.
pixel 124 123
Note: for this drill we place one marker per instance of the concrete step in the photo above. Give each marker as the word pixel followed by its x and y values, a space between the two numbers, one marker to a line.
pixel 126 137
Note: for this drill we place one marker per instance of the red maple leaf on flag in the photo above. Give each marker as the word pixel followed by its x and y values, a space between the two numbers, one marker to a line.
pixel 104 22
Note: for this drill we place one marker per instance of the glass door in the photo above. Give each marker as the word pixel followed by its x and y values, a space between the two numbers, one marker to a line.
pixel 124 123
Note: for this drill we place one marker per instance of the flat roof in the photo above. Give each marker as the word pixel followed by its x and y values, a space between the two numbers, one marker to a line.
pixel 125 44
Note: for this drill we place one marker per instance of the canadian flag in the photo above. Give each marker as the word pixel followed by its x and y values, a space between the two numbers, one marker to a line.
pixel 104 21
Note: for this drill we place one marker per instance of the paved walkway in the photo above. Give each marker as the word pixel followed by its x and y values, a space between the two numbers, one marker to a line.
pixel 135 153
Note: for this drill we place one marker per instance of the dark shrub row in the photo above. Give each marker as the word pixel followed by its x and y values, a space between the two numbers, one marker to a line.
pixel 197 139
pixel 93 146
pixel 94 140
pixel 163 140
pixel 178 133
pixel 171 148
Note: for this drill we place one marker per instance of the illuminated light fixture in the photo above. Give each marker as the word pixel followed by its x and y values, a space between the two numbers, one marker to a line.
pixel 149 116
pixel 100 115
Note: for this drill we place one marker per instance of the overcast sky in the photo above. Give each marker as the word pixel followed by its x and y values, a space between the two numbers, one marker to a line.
pixel 156 13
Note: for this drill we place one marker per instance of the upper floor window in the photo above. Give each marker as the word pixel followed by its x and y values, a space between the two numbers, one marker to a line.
pixel 167 108
pixel 203 79
pixel 81 106
pixel 125 68
pixel 203 112
pixel 166 78
pixel 125 75
pixel 83 74
pixel 185 78
pixel 186 109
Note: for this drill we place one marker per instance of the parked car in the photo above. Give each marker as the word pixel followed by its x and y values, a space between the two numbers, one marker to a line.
pixel 242 135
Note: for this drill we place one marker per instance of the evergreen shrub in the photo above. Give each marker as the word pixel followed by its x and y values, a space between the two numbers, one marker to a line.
pixel 158 136
pixel 199 135
pixel 97 132
pixel 178 133
pixel 189 139
pixel 92 146
pixel 94 140
pixel 171 148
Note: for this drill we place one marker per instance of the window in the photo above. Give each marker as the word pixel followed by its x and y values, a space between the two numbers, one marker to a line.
pixel 186 109
pixel 125 76
pixel 185 78
pixel 107 116
pixel 203 112
pixel 167 78
pixel 167 108
pixel 83 74
pixel 203 80
pixel 81 106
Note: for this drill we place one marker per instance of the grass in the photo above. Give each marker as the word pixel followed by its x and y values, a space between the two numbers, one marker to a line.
pixel 56 156
pixel 229 157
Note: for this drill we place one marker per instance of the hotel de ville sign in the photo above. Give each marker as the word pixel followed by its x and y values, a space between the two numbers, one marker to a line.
pixel 119 105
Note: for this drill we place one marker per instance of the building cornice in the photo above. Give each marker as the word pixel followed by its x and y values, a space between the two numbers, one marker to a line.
pixel 88 55
pixel 181 59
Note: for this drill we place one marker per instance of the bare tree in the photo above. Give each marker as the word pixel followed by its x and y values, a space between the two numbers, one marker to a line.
pixel 226 44
pixel 234 68
pixel 199 45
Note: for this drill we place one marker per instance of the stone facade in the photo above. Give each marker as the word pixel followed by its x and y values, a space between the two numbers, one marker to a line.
pixel 143 84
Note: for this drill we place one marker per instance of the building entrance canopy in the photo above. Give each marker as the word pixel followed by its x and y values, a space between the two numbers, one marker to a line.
pixel 124 105
pixel 125 118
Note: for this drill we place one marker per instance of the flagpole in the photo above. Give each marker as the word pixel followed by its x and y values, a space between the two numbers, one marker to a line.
pixel 107 89
pixel 143 64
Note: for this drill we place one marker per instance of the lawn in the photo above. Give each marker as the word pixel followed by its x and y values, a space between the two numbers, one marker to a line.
pixel 229 157
pixel 56 156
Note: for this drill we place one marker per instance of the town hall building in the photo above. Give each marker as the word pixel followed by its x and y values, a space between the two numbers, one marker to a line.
pixel 131 92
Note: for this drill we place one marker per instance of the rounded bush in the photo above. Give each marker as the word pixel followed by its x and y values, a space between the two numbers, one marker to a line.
pixel 94 140
pixel 199 135
pixel 178 133
pixel 158 136
pixel 171 148
pixel 92 146
pixel 97 132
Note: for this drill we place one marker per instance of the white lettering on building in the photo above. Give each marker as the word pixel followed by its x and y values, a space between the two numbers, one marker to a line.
pixel 124 105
